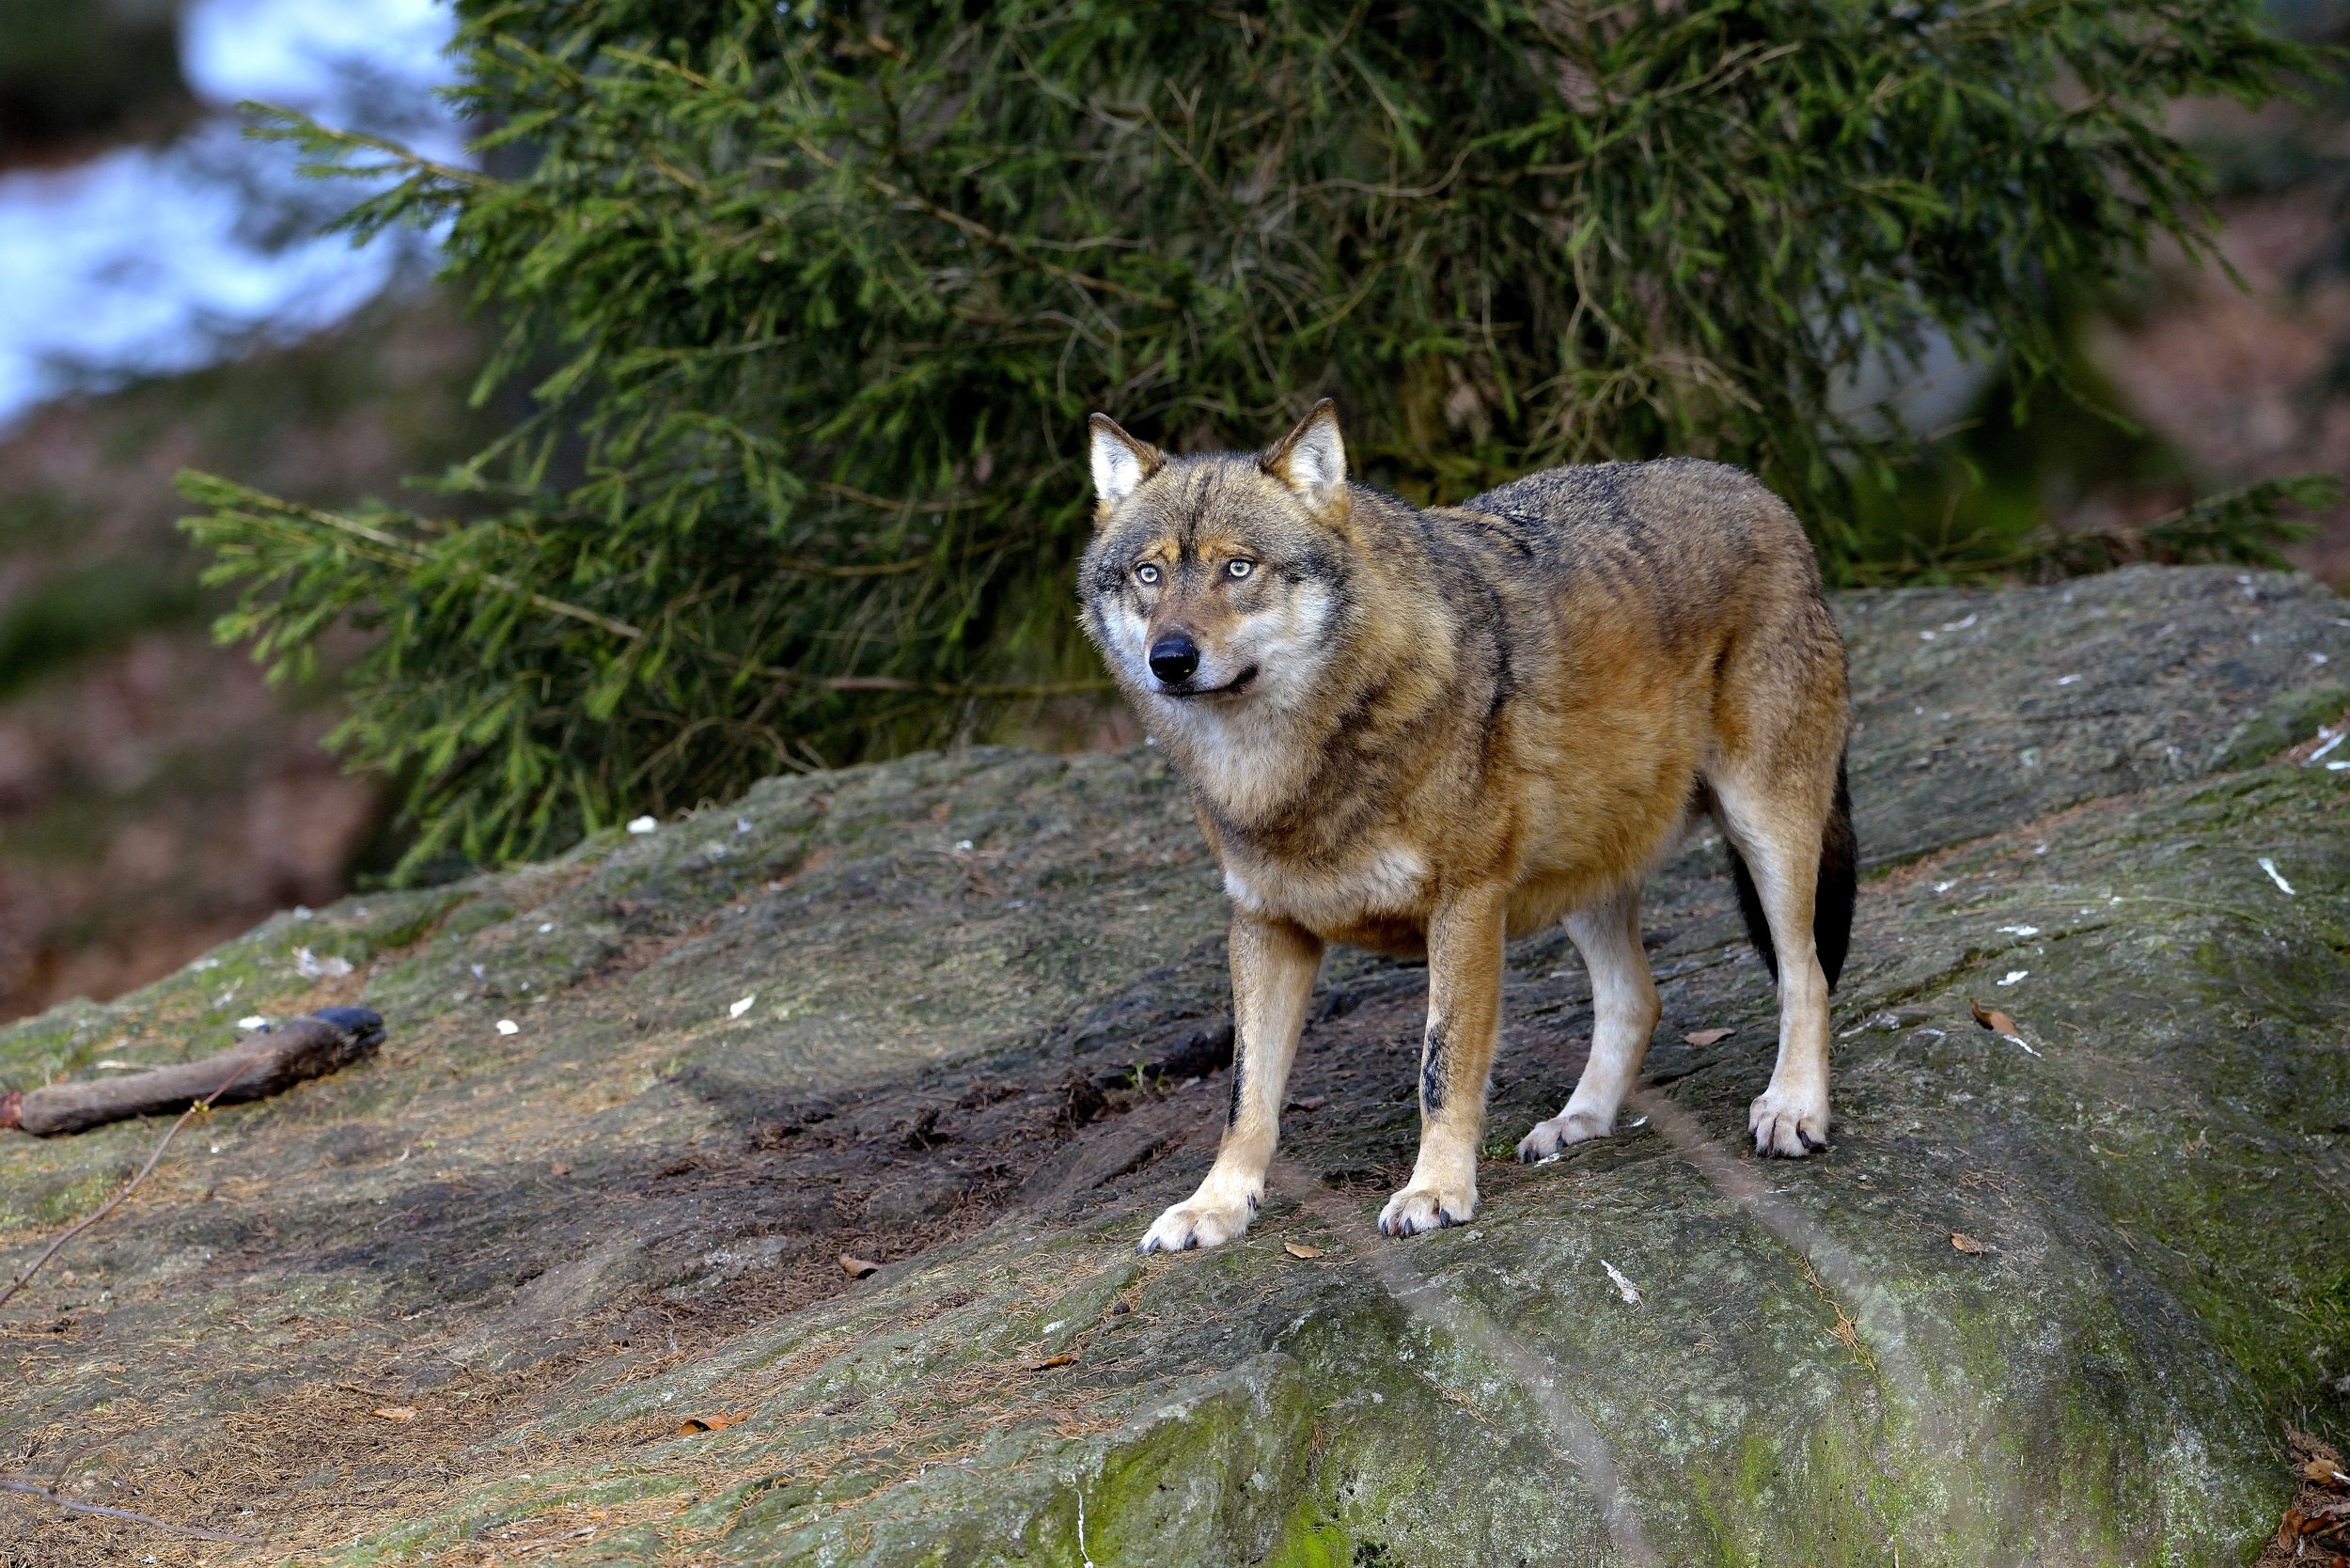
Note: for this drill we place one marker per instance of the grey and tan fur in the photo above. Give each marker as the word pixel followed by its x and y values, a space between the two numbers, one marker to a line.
pixel 1425 731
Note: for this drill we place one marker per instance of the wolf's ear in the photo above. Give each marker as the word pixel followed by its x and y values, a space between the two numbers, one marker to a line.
pixel 1120 462
pixel 1311 459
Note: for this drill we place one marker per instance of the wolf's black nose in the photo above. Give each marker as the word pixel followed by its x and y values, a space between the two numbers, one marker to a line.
pixel 1173 657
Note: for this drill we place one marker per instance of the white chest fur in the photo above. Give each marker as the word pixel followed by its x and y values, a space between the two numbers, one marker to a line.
pixel 1386 879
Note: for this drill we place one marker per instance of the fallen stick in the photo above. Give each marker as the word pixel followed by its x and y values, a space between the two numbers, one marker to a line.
pixel 255 1068
pixel 47 1494
pixel 337 1035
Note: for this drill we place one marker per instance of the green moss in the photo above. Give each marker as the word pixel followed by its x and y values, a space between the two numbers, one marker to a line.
pixel 1310 1540
pixel 2284 720
pixel 476 913
pixel 1200 1485
pixel 36 1050
pixel 63 1199
pixel 2168 1273
pixel 382 922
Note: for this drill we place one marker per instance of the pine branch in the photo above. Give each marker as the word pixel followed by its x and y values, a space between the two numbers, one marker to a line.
pixel 266 512
pixel 730 248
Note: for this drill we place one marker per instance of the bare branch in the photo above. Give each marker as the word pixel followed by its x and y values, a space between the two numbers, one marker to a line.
pixel 133 1185
pixel 34 1489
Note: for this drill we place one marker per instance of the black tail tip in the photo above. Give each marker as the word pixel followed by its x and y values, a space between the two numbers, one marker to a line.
pixel 1832 899
pixel 1750 911
pixel 1840 884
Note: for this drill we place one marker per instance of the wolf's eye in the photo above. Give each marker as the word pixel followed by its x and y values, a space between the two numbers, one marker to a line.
pixel 1240 568
pixel 1146 574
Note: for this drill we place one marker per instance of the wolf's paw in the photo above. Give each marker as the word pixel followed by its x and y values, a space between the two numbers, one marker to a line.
pixel 1550 1137
pixel 1787 1126
pixel 1204 1220
pixel 1430 1208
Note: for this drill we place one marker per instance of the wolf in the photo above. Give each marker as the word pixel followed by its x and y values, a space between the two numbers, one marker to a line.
pixel 1425 731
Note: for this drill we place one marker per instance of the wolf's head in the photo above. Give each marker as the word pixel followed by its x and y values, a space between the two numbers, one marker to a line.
pixel 1218 586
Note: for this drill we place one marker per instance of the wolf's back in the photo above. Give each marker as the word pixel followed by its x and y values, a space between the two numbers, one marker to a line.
pixel 1683 504
pixel 1677 530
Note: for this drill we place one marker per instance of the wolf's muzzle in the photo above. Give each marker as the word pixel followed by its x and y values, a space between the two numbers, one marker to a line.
pixel 1174 658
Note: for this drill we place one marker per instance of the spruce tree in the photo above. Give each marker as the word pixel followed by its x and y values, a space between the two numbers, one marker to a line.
pixel 810 303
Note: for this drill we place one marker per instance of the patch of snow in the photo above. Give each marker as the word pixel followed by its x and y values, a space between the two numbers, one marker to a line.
pixel 1624 1288
pixel 148 259
pixel 309 965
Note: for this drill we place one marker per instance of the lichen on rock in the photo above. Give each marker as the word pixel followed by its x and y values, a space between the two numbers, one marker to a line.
pixel 968 970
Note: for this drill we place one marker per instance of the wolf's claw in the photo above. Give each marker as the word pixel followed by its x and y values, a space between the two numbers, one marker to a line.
pixel 1787 1126
pixel 1205 1220
pixel 1417 1208
pixel 1548 1137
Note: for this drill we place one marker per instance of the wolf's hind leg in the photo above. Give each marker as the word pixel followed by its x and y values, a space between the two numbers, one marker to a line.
pixel 1779 834
pixel 1624 1011
pixel 1465 950
pixel 1274 965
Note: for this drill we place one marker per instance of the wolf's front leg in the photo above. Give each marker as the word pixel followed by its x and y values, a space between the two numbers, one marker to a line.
pixel 1274 963
pixel 1465 941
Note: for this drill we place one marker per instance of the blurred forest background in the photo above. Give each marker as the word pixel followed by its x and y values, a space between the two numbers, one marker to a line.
pixel 167 303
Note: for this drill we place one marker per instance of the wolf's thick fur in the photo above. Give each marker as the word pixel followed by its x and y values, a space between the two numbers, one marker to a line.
pixel 1425 731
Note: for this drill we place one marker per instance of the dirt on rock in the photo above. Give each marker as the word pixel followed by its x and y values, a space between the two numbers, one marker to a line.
pixel 574 1290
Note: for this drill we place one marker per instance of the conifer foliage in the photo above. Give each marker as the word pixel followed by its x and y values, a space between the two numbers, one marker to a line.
pixel 809 303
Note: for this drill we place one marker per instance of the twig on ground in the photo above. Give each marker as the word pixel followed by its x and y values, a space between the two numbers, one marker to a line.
pixel 128 1188
pixel 34 1489
pixel 343 1033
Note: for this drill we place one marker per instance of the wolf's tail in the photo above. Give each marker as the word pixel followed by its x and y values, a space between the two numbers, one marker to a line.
pixel 1831 904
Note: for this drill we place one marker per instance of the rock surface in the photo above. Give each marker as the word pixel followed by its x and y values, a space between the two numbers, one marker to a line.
pixel 960 1015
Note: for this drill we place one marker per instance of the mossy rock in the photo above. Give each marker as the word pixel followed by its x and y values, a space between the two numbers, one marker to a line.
pixel 2047 1299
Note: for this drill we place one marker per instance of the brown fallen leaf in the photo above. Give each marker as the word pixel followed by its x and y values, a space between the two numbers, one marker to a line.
pixel 858 1268
pixel 558 1168
pixel 396 1413
pixel 717 1420
pixel 2325 1472
pixel 1966 1244
pixel 1066 1358
pixel 2325 1523
pixel 1708 1037
pixel 1991 1018
pixel 1299 1250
